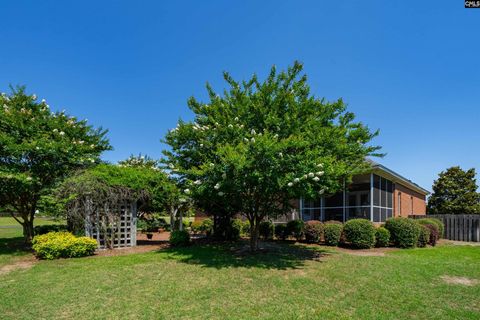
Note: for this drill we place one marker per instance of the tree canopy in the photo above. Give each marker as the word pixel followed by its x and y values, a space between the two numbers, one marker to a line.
pixel 455 192
pixel 261 144
pixel 39 148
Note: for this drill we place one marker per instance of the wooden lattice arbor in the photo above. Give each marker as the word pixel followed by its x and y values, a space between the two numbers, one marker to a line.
pixel 112 226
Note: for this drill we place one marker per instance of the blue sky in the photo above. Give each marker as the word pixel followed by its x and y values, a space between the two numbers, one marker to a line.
pixel 408 68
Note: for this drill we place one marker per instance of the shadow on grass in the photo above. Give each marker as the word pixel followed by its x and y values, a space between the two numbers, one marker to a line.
pixel 13 246
pixel 272 255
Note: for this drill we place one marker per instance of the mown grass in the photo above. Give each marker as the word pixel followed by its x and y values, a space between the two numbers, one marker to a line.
pixel 11 239
pixel 214 282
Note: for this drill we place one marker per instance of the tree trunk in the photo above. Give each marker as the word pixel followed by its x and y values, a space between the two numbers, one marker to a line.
pixel 180 221
pixel 28 231
pixel 254 235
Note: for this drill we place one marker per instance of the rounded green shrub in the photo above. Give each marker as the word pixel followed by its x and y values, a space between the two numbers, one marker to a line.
pixel 236 229
pixel 196 226
pixel 423 237
pixel 359 233
pixel 313 231
pixel 179 238
pixel 332 232
pixel 207 226
pixel 436 222
pixel 245 228
pixel 404 232
pixel 54 245
pixel 266 229
pixel 382 237
pixel 38 230
pixel 295 228
pixel 281 231
pixel 434 235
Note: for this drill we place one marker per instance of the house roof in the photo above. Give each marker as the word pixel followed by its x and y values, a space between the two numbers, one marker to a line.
pixel 397 178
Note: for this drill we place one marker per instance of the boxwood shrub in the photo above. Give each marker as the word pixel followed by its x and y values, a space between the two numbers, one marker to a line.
pixel 382 237
pixel 433 234
pixel 404 232
pixel 423 237
pixel 436 222
pixel 207 226
pixel 38 230
pixel 54 245
pixel 295 228
pixel 332 232
pixel 359 233
pixel 313 231
pixel 237 226
pixel 281 231
pixel 179 238
pixel 266 229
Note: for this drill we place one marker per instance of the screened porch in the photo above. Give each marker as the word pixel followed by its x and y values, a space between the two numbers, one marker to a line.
pixel 369 196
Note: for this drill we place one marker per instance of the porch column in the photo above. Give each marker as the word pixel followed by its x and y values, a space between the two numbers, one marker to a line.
pixel 344 201
pixel 371 197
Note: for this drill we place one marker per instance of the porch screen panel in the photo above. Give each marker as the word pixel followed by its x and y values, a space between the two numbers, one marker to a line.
pixel 382 199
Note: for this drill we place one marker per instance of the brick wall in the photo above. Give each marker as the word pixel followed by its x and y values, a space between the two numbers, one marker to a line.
pixel 402 206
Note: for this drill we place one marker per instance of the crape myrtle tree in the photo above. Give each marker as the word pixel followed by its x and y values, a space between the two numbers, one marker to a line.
pixel 38 148
pixel 261 144
pixel 455 192
pixel 166 196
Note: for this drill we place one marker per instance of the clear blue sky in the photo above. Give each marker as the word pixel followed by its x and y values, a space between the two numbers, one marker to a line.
pixel 408 68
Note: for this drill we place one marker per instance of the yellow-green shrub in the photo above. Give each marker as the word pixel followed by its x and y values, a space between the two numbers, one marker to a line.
pixel 54 245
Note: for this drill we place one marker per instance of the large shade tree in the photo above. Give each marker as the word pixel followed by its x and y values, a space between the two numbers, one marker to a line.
pixel 455 192
pixel 38 148
pixel 261 144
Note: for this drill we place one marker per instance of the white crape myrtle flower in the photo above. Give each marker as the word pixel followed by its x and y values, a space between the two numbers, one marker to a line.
pixel 311 174
pixel 290 184
pixel 230 125
pixel 92 146
pixel 92 160
pixel 241 126
pixel 253 139
pixel 321 191
pixel 305 176
pixel 280 154
pixel 55 130
pixel 217 186
pixel 37 211
pixel 81 142
pixel 253 131
pixel 29 178
pixel 212 165
pixel 275 135
pixel 201 145
pixel 63 133
pixel 44 101
pixel 34 96
pixel 296 180
pixel 197 182
pixel 319 173
pixel 38 148
pixel 245 139
pixel 316 179
pixel 320 165
pixel 187 191
pixel 221 193
pixel 182 200
pixel 236 118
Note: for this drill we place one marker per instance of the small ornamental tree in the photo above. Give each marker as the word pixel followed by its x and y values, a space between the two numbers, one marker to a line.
pixel 455 192
pixel 263 143
pixel 38 148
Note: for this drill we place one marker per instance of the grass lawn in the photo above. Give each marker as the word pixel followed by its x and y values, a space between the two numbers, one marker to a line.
pixel 11 239
pixel 212 282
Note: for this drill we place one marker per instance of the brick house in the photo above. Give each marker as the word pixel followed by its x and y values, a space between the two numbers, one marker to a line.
pixel 376 195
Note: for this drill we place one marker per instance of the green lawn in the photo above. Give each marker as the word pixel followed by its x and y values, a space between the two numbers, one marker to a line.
pixel 11 240
pixel 212 282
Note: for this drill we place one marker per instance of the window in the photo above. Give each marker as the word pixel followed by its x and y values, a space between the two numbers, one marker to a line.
pixel 382 198
pixel 399 204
